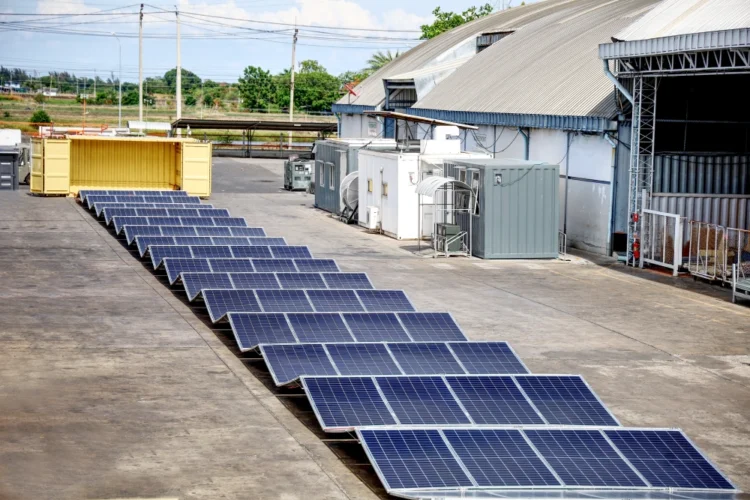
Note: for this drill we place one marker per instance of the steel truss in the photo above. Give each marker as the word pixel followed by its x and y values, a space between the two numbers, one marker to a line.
pixel 713 61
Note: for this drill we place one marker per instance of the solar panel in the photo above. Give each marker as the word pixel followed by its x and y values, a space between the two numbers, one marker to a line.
pixel 197 221
pixel 262 241
pixel 120 222
pixel 231 265
pixel 131 199
pixel 231 240
pixel 131 232
pixel 191 200
pixel 82 194
pixel 144 242
pixel 284 301
pixel 215 212
pixel 334 300
pixel 256 281
pixel 99 207
pixel 160 252
pixel 176 266
pixel 257 232
pixel 212 252
pixel 421 401
pixel 300 281
pixel 182 212
pixel 319 327
pixel 151 212
pixel 289 252
pixel 220 302
pixel 157 199
pixel 195 282
pixel 385 300
pixel 99 198
pixel 376 327
pixel 287 362
pixel 347 281
pixel 343 403
pixel 316 266
pixel 488 357
pixel 408 459
pixel 431 326
pixel 425 358
pixel 109 213
pixel 362 359
pixel 494 400
pixel 213 231
pixel 252 252
pixel 274 265
pixel 565 400
pixel 667 459
pixel 583 458
pixel 231 222
pixel 253 329
pixel 178 231
pixel 193 240
pixel 499 458
pixel 164 221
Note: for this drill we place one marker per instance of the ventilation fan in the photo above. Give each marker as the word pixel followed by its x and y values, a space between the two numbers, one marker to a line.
pixel 350 197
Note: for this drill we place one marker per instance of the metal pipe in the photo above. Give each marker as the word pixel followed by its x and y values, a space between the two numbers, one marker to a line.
pixel 567 182
pixel 612 195
pixel 526 136
pixel 617 83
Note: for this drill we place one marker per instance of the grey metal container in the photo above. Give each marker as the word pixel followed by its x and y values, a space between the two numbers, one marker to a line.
pixel 518 213
pixel 297 174
pixel 9 159
pixel 334 160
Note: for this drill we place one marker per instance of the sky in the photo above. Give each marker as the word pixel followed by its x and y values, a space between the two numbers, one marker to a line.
pixel 216 59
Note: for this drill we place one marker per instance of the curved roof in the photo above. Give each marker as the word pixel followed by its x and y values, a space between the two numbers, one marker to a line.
pixel 371 92
pixel 430 185
pixel 547 67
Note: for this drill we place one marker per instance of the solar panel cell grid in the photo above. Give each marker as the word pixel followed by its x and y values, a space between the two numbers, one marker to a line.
pixel 256 232
pixel 252 252
pixel 376 327
pixel 159 253
pixel 144 242
pixel 431 327
pixel 212 252
pixel 176 266
pixel 178 231
pixel 421 401
pixel 287 362
pixel 290 252
pixel 345 403
pixel 220 302
pixel 182 212
pixel 231 240
pixel 426 358
pixel 164 221
pixel 193 240
pixel 334 300
pixel 384 300
pixel 252 329
pixel 347 281
pixel 262 241
pixel 232 265
pixel 362 359
pixel 320 327
pixel 565 400
pixel 284 301
pixel 255 281
pixel 213 231
pixel 151 212
pixel 120 222
pixel 316 266
pixel 197 221
pixel 494 400
pixel 194 283
pixel 132 231
pixel 230 222
pixel 109 213
pixel 488 357
pixel 274 265
pixel 300 280
pixel 215 212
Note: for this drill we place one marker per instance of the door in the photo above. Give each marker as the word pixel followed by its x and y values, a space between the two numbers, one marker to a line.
pixel 36 181
pixel 56 167
pixel 196 168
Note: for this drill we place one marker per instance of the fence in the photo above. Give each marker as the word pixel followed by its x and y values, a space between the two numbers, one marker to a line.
pixel 707 251
pixel 662 240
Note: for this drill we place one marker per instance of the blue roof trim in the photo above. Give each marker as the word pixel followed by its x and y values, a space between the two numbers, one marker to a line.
pixel 582 123
pixel 351 109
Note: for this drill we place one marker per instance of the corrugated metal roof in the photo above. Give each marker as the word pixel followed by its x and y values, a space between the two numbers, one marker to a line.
pixel 453 64
pixel 547 67
pixel 371 92
pixel 682 17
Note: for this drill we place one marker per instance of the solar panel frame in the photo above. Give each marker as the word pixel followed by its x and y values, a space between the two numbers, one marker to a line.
pixel 232 265
pixel 120 222
pixel 385 301
pixel 131 232
pixel 211 251
pixel 422 326
pixel 386 331
pixel 264 240
pixel 178 230
pixel 193 240
pixel 232 241
pixel 256 281
pixel 441 407
pixel 477 363
pixel 159 252
pixel 252 329
pixel 195 283
pixel 364 359
pixel 335 301
pixel 221 302
pixel 255 232
pixel 291 252
pixel 300 281
pixel 284 300
pixel 316 266
pixel 274 265
pixel 288 362
pixel 347 281
pixel 319 327
pixel 426 358
pixel 252 252
pixel 175 267
pixel 143 242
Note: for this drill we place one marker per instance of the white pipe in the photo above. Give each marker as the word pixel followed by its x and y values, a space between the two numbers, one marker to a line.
pixel 617 83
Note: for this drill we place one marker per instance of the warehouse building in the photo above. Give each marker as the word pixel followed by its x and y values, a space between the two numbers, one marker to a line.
pixel 530 79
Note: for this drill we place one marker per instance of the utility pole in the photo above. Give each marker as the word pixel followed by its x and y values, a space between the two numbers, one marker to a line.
pixel 291 91
pixel 202 99
pixel 179 70
pixel 95 78
pixel 140 69
pixel 119 80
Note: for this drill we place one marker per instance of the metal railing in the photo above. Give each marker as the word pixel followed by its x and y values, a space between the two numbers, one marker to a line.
pixel 707 254
pixel 562 243
pixel 662 240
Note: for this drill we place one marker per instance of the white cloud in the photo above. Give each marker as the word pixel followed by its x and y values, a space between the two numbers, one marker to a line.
pixel 68 7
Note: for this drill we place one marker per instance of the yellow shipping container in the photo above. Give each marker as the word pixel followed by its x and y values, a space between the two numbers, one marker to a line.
pixel 65 166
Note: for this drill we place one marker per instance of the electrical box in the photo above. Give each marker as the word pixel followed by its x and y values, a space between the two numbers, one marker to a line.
pixel 9 160
pixel 297 174
pixel 448 233
pixel 372 218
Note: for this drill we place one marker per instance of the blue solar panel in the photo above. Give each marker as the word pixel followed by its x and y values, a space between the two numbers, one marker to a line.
pixel 385 300
pixel 565 400
pixel 284 301
pixel 425 359
pixel 431 327
pixel 422 401
pixel 300 281
pixel 255 281
pixel 120 222
pixel 363 359
pixel 176 266
pixel 319 327
pixel 144 242
pixel 288 362
pixel 132 199
pixel 667 459
pixel 408 459
pixel 376 327
pixel 197 221
pixel 289 252
pixel 195 282
pixel 90 200
pixel 494 400
pixel 99 207
pixel 131 232
pixel 231 240
pixel 316 266
pixel 499 458
pixel 334 300
pixel 109 213
pixel 263 241
pixel 253 329
pixel 583 458
pixel 347 281
pixel 151 212
pixel 191 200
pixel 274 265
pixel 232 265
pixel 178 231
pixel 164 221
pixel 231 222
pixel 192 240
pixel 257 232
pixel 213 231
pixel 252 252
pixel 182 212
pixel 159 253
pixel 344 403
pixel 488 357
pixel 220 302
pixel 212 252
pixel 215 212
pixel 157 199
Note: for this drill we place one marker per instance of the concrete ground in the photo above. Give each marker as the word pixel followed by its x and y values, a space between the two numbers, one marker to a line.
pixel 111 387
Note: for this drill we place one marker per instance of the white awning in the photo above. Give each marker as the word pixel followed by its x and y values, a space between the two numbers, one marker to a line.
pixel 430 185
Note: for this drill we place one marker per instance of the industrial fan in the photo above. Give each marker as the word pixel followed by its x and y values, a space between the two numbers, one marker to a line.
pixel 350 197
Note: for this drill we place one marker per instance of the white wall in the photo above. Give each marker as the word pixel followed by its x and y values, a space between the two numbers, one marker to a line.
pixel 355 126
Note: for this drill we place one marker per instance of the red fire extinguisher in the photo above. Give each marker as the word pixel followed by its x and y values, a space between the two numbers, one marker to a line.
pixel 636 249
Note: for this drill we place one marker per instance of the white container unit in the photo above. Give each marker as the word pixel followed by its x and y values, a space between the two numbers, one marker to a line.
pixel 387 182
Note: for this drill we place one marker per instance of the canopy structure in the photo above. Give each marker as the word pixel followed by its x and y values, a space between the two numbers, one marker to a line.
pixel 195 123
pixel 449 204
pixel 430 185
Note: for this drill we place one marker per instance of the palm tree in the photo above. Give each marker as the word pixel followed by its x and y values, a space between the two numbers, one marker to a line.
pixel 380 59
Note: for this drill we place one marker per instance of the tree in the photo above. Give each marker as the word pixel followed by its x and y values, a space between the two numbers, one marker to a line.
pixel 257 88
pixel 354 76
pixel 40 98
pixel 380 59
pixel 190 80
pixel 445 21
pixel 315 89
pixel 40 117
pixel 190 101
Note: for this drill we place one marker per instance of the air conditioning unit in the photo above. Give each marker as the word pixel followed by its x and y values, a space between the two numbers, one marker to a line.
pixel 373 217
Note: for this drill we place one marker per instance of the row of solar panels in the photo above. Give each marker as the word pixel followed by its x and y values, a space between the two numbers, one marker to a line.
pixel 397 369
pixel 159 252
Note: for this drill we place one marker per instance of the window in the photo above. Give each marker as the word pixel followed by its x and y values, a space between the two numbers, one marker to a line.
pixel 475 188
pixel 332 177
pixel 384 191
pixel 461 174
pixel 369 185
pixel 319 172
